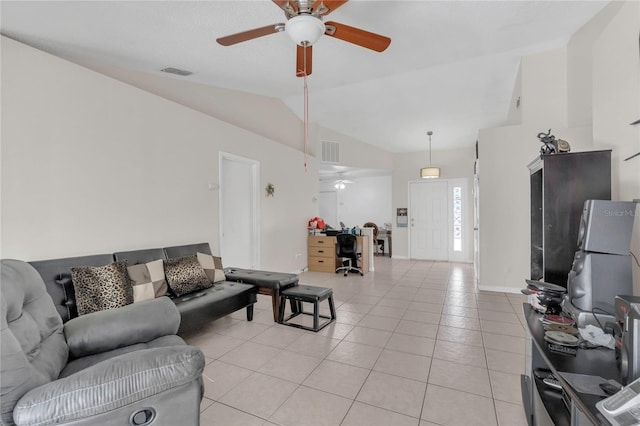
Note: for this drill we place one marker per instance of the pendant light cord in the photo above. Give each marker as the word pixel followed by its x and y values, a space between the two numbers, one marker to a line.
pixel 306 111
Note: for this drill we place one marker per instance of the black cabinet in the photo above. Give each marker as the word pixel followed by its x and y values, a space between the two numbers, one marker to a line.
pixel 547 406
pixel 560 184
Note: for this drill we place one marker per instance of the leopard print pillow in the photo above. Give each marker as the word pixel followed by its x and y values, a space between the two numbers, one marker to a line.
pixel 185 275
pixel 101 287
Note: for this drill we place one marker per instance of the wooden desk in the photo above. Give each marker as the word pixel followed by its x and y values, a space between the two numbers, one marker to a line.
pixel 322 253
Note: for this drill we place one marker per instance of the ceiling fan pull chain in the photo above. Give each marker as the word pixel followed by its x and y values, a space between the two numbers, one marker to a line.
pixel 306 122
pixel 306 112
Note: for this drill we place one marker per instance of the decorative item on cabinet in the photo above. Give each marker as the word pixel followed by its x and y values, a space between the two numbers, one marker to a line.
pixel 551 145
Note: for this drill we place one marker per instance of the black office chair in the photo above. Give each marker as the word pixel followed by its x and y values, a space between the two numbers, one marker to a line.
pixel 347 250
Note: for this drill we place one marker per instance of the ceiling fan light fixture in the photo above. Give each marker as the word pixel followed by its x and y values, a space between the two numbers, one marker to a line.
pixel 304 30
pixel 339 185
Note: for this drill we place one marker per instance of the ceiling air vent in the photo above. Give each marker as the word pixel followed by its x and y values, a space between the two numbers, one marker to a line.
pixel 176 71
pixel 330 152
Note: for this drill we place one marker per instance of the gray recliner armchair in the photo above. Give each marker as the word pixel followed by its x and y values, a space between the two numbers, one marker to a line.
pixel 122 366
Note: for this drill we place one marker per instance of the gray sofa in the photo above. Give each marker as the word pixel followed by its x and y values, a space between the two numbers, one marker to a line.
pixel 123 366
pixel 196 309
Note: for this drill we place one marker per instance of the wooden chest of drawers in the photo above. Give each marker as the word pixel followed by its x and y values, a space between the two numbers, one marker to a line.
pixel 321 253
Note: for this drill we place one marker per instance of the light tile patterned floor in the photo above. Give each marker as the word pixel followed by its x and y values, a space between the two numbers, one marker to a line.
pixel 415 343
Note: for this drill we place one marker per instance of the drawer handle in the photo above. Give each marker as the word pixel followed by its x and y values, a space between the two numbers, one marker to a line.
pixel 320 261
pixel 321 241
pixel 320 251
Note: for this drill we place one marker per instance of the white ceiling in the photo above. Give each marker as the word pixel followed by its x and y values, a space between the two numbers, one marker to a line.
pixel 450 68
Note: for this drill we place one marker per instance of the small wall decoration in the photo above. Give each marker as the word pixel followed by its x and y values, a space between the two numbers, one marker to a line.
pixel 402 217
pixel 270 189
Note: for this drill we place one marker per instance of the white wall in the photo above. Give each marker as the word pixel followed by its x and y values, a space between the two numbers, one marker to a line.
pixel 580 67
pixel 93 165
pixel 505 219
pixel 258 114
pixel 366 200
pixel 353 152
pixel 504 178
pixel 616 104
pixel 554 91
pixel 454 163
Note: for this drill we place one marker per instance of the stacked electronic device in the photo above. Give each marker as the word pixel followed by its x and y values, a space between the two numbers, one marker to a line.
pixel 602 265
pixel 545 297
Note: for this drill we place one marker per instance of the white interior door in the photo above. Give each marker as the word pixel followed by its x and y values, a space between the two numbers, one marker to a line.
pixel 328 208
pixel 428 220
pixel 239 212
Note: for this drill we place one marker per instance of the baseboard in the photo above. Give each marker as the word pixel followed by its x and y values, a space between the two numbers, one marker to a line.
pixel 451 261
pixel 499 289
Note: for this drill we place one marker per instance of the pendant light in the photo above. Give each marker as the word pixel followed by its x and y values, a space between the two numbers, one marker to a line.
pixel 430 172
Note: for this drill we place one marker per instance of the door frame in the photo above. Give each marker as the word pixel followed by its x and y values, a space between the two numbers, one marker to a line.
pixel 452 256
pixel 255 251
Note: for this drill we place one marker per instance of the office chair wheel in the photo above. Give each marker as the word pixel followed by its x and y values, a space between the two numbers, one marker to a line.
pixel 345 273
pixel 361 274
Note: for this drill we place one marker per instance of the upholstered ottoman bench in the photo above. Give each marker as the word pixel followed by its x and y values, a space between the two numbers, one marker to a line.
pixel 309 294
pixel 269 283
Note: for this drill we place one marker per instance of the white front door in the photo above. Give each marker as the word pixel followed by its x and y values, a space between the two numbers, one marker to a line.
pixel 428 220
pixel 239 212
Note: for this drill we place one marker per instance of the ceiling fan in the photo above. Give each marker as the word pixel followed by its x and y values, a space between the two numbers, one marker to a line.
pixel 340 182
pixel 305 26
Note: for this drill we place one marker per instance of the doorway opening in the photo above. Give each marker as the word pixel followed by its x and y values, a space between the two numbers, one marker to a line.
pixel 328 206
pixel 239 211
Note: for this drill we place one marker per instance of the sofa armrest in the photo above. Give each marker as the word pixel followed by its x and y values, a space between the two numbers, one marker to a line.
pixel 109 385
pixel 115 328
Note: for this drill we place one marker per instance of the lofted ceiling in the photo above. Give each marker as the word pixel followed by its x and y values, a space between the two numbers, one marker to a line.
pixel 451 66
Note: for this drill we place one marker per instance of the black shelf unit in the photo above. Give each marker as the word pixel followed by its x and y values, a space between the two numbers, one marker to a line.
pixel 546 406
pixel 560 184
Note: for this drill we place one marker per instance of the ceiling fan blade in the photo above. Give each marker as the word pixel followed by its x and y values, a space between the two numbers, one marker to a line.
pixel 301 61
pixel 330 5
pixel 289 7
pixel 281 3
pixel 250 35
pixel 357 36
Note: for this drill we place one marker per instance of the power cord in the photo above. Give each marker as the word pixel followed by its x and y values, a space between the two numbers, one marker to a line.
pixel 602 311
pixel 634 258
